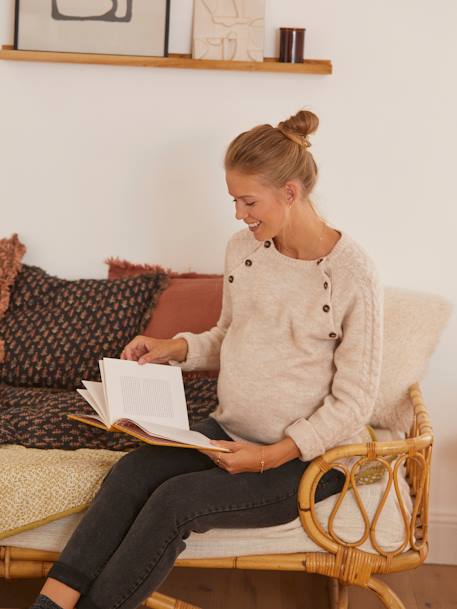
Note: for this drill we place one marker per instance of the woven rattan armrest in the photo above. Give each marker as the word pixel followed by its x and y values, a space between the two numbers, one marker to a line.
pixel 345 560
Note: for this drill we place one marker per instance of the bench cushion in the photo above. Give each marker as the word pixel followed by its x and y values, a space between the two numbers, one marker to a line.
pixel 53 534
pixel 289 537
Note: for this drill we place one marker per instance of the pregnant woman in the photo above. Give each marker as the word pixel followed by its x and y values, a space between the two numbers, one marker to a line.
pixel 298 344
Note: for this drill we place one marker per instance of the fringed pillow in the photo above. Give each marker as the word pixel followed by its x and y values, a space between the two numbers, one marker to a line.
pixel 11 253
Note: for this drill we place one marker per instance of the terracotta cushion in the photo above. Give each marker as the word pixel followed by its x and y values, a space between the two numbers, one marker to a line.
pixel 192 305
pixel 192 302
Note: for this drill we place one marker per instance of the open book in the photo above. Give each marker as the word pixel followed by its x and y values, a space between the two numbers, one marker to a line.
pixel 144 400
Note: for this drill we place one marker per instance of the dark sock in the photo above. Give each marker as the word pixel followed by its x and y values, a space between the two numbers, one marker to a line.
pixel 44 602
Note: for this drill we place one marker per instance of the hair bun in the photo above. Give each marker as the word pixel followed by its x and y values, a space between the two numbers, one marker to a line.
pixel 299 126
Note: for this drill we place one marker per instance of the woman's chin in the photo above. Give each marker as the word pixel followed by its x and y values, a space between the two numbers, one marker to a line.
pixel 257 232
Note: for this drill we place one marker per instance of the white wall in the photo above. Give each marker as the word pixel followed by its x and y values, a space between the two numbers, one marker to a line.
pixel 110 161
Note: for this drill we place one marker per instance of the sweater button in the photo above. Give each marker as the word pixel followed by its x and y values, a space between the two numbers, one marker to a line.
pixel 267 244
pixel 248 262
pixel 231 278
pixel 325 285
pixel 332 335
pixel 326 308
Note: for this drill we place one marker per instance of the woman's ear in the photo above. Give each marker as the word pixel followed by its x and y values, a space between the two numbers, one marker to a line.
pixel 292 192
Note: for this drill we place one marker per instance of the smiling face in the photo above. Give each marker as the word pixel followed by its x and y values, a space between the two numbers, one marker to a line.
pixel 263 208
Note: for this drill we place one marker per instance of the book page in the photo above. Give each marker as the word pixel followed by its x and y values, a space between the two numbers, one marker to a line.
pixel 91 400
pixel 105 395
pixel 153 393
pixel 95 390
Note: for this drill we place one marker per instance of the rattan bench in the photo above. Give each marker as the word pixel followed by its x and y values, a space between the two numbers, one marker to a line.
pixel 342 562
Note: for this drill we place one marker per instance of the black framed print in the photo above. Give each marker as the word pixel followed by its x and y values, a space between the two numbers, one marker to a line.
pixel 113 27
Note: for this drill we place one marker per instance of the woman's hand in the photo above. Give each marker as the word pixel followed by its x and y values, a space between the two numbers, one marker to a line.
pixel 145 350
pixel 245 456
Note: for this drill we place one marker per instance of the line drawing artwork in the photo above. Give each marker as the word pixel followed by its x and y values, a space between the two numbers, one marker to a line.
pixel 99 27
pixel 229 29
pixel 114 11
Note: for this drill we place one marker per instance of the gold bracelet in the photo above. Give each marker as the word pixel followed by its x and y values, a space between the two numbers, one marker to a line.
pixel 262 460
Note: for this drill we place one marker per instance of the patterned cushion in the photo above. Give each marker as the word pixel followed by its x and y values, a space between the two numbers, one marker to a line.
pixel 37 418
pixel 55 330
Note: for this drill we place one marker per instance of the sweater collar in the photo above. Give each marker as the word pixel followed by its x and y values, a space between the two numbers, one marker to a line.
pixel 334 252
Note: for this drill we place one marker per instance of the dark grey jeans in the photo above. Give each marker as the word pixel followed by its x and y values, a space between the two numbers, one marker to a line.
pixel 152 499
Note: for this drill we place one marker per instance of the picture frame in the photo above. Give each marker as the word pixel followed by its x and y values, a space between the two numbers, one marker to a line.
pixel 111 27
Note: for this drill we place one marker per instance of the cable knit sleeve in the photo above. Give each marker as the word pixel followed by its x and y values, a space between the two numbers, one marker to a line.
pixel 357 361
pixel 204 348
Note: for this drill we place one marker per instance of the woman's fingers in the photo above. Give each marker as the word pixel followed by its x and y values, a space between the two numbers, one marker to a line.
pixel 145 350
pixel 208 453
pixel 139 351
pixel 152 357
pixel 230 444
pixel 136 348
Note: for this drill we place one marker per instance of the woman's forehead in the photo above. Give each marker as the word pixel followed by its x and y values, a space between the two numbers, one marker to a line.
pixel 243 185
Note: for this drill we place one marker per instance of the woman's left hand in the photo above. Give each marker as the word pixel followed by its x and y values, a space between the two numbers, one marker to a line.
pixel 244 456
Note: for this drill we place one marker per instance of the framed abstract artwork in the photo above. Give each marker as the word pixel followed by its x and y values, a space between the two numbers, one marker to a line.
pixel 115 27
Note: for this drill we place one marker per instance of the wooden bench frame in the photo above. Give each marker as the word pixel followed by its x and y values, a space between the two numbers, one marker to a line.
pixel 343 563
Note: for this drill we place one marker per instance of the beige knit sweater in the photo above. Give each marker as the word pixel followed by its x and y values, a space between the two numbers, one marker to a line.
pixel 298 343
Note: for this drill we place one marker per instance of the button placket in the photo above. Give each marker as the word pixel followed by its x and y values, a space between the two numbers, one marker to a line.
pixel 325 275
pixel 326 308
pixel 247 262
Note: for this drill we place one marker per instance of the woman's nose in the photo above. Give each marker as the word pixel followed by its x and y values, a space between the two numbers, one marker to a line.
pixel 240 211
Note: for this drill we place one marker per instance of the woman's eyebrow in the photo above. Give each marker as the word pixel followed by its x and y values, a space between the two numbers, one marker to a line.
pixel 241 196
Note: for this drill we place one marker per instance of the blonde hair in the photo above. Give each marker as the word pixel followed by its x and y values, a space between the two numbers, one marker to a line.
pixel 277 154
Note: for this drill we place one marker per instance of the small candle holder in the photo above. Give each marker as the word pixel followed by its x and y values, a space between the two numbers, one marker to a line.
pixel 291 44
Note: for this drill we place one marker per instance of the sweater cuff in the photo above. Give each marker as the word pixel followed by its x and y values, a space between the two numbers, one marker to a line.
pixel 192 360
pixel 186 364
pixel 304 436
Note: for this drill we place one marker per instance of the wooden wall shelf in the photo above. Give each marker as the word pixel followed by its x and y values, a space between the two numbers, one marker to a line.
pixel 309 66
